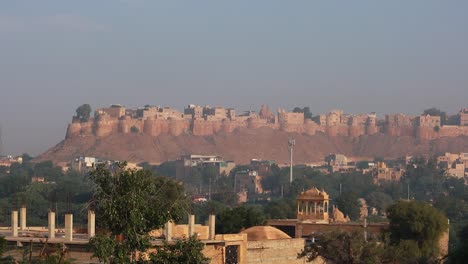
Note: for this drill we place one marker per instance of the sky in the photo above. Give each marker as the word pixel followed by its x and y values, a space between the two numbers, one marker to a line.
pixel 359 56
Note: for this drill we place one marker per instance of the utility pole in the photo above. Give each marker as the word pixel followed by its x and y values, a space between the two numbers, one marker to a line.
pixel 209 191
pixel 408 191
pixel 291 144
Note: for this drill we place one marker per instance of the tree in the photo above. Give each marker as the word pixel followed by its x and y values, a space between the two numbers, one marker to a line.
pixel 281 209
pixel 343 247
pixel 134 129
pixel 419 222
pixel 183 251
pixel 83 112
pixel 379 200
pixel 236 219
pixel 361 165
pixel 3 245
pixel 349 205
pixel 460 254
pixel 129 204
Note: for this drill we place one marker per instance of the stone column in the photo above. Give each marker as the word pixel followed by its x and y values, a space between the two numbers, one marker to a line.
pixel 69 227
pixel 91 223
pixel 14 223
pixel 51 217
pixel 23 218
pixel 168 231
pixel 212 226
pixel 191 225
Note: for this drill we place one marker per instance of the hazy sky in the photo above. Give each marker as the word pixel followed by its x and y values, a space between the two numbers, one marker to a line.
pixel 360 56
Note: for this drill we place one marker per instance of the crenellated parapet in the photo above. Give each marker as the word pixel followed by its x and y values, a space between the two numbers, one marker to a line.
pixel 206 121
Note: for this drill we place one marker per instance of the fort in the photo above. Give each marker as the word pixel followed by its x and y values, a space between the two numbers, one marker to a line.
pixel 205 121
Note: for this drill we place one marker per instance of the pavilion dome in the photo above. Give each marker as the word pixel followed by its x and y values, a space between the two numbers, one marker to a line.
pixel 257 233
pixel 313 194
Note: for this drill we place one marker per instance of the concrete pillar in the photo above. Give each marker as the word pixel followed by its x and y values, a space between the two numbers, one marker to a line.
pixel 191 224
pixel 212 226
pixel 51 217
pixel 23 218
pixel 69 227
pixel 168 231
pixel 91 223
pixel 14 223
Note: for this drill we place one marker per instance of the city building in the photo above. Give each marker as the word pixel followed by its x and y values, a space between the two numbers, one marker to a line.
pixel 463 116
pixel 187 163
pixel 6 161
pixel 263 167
pixel 382 173
pixel 249 181
pixel 455 165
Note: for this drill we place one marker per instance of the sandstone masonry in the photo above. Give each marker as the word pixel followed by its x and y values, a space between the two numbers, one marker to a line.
pixel 206 121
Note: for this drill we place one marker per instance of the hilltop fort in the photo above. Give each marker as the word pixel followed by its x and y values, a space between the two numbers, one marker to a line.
pixel 207 121
pixel 158 134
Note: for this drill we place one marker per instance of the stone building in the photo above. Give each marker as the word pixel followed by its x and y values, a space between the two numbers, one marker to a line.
pixel 263 167
pixel 290 117
pixel 194 111
pixel 114 111
pixel 382 173
pixel 463 116
pixel 428 121
pixel 269 245
pixel 7 161
pixel 455 165
pixel 187 163
pixel 249 181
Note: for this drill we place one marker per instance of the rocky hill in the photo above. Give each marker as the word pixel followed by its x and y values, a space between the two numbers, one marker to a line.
pixel 243 144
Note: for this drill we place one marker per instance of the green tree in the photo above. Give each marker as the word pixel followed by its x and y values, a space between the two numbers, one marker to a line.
pixel 129 204
pixel 379 200
pixel 134 129
pixel 364 164
pixel 3 245
pixel 83 112
pixel 419 222
pixel 460 254
pixel 26 157
pixel 236 219
pixel 281 209
pixel 348 203
pixel 183 251
pixel 343 247
pixel 406 251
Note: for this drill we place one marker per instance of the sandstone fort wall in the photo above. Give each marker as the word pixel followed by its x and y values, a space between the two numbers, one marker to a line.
pixel 156 121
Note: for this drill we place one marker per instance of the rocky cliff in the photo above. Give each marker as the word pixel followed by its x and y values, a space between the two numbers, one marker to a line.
pixel 242 144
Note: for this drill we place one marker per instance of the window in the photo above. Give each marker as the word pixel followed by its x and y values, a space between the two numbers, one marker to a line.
pixel 232 254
